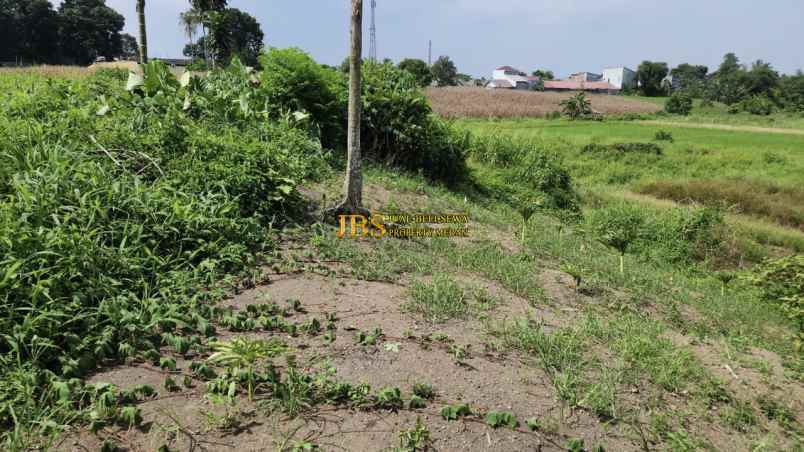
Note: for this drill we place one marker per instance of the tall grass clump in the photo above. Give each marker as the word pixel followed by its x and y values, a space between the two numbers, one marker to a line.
pixel 523 173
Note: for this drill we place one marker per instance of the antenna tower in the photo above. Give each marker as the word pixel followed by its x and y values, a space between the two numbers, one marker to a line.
pixel 373 31
pixel 430 53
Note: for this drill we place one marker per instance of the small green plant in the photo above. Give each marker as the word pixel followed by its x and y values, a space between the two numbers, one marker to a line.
pixel 575 445
pixel 424 391
pixel 167 363
pixel 663 135
pixel 416 402
pixel 416 439
pixel 454 412
pixel 389 399
pixel 130 416
pixel 533 424
pixel 497 419
pixel 170 385
pixel 438 300
pixel 244 355
pixel 617 226
pixel 725 278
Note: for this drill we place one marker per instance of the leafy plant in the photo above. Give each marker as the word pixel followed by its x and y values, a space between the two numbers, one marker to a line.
pixel 663 135
pixel 680 103
pixel 576 107
pixel 416 439
pixel 389 399
pixel 617 226
pixel 453 412
pixel 497 419
pixel 245 354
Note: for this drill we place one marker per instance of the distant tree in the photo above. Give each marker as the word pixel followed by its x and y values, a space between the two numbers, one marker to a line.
pixel 444 72
pixel 196 50
pixel 130 48
pixel 143 33
pixel 791 88
pixel 201 12
pixel 730 65
pixel 88 29
pixel 691 78
pixel 28 31
pixel 544 74
pixel 761 79
pixel 234 33
pixel 189 21
pixel 650 75
pixel 419 70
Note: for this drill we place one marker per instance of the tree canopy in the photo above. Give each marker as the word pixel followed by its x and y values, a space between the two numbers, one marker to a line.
pixel 544 74
pixel 444 72
pixel 650 75
pixel 419 69
pixel 89 29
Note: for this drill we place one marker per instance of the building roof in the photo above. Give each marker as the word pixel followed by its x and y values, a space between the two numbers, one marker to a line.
pixel 577 86
pixel 507 68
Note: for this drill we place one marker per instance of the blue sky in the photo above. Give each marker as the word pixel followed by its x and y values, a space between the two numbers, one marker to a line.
pixel 562 35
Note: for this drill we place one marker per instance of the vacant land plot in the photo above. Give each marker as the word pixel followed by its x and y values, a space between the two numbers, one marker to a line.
pixel 486 103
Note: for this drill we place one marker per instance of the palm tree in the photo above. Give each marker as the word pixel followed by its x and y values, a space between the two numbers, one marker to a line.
pixel 189 21
pixel 353 186
pixel 143 34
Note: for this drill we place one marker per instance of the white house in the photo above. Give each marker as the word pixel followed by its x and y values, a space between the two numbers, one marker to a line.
pixel 620 77
pixel 511 78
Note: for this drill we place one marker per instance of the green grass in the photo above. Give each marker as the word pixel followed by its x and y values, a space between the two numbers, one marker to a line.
pixel 438 300
pixel 726 161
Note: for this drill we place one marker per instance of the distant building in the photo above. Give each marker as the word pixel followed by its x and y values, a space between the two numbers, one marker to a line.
pixel 671 83
pixel 585 77
pixel 507 77
pixel 573 85
pixel 620 77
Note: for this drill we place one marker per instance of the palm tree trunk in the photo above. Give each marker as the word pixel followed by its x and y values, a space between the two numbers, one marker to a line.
pixel 143 33
pixel 353 185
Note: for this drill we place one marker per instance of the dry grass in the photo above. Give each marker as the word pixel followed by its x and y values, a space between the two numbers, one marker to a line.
pixel 77 71
pixel 783 205
pixel 501 103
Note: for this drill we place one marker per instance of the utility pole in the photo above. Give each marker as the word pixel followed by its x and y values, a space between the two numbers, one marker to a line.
pixel 373 32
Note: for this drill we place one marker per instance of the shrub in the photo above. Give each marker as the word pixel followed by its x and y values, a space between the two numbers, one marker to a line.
pixel 398 128
pixel 577 106
pixel 663 136
pixel 679 103
pixel 523 170
pixel 617 226
pixel 623 148
pixel 756 105
pixel 293 81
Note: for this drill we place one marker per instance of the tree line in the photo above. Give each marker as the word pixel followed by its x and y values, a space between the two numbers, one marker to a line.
pixel 79 31
pixel 756 88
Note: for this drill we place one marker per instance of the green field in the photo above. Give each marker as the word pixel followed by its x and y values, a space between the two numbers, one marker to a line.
pixel 758 174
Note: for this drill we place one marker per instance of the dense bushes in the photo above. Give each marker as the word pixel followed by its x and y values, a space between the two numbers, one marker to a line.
pixel 400 130
pixel 293 81
pixel 121 213
pixel 679 104
pixel 622 148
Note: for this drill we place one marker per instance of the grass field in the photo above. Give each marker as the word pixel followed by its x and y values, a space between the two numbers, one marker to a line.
pixel 167 281
pixel 756 176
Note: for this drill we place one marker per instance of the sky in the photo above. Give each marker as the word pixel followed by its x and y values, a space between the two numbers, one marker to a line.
pixel 564 36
